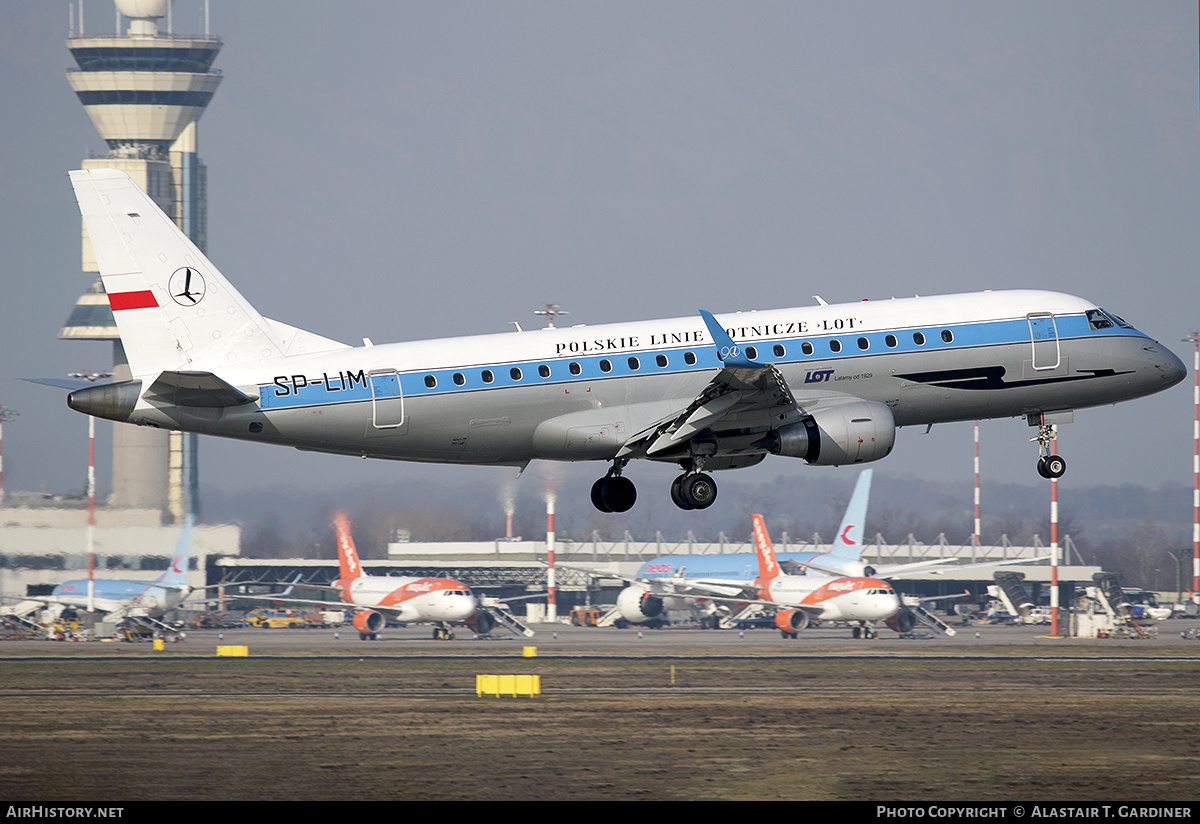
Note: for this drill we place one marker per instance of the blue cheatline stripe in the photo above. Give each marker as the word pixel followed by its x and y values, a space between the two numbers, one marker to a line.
pixel 415 383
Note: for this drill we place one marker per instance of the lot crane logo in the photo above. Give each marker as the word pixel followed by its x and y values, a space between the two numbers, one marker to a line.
pixel 186 286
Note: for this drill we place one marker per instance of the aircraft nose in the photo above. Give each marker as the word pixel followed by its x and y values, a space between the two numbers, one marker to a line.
pixel 1172 368
pixel 465 608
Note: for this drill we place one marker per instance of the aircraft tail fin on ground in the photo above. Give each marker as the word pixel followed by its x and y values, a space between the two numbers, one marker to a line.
pixel 348 565
pixel 768 566
pixel 176 574
pixel 174 309
pixel 848 541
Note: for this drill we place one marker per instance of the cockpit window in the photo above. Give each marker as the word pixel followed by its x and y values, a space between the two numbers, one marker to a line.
pixel 1098 320
pixel 1124 324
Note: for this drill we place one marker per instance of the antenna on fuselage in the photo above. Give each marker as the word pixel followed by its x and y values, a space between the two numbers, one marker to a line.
pixel 551 311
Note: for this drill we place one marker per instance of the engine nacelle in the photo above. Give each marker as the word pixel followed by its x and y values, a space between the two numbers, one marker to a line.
pixel 637 606
pixel 481 622
pixel 368 622
pixel 791 620
pixel 846 433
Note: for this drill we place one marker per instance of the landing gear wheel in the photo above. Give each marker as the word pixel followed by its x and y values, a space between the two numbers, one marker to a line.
pixel 614 493
pixel 1052 466
pixel 618 493
pixel 598 495
pixel 677 494
pixel 1056 466
pixel 699 490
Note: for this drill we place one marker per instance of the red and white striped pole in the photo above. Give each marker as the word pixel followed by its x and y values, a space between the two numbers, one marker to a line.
pixel 1054 547
pixel 91 519
pixel 1194 338
pixel 551 602
pixel 977 531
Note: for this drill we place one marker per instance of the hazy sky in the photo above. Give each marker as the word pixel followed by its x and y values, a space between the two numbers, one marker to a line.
pixel 405 170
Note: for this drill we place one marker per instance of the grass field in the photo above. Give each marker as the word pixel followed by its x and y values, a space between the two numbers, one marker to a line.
pixel 607 728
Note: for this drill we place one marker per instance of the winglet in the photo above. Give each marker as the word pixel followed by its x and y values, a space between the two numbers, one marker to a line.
pixel 728 352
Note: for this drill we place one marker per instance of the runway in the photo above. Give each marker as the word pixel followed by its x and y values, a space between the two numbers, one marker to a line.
pixel 564 640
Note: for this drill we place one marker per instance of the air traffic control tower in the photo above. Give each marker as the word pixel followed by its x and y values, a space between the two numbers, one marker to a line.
pixel 144 91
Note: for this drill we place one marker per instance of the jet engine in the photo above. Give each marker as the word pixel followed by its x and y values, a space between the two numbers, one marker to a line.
pixel 791 620
pixel 845 433
pixel 481 622
pixel 368 622
pixel 637 606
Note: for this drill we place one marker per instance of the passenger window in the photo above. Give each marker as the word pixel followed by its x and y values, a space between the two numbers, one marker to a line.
pixel 947 335
pixel 430 381
pixel 890 340
pixel 918 339
pixel 835 346
pixel 689 358
pixel 806 348
pixel 515 373
pixel 487 376
pixel 864 344
pixel 544 371
pixel 634 365
pixel 606 365
pixel 575 368
pixel 751 353
pixel 459 380
pixel 779 350
pixel 661 360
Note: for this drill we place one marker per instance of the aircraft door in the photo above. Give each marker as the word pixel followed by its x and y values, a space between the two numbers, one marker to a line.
pixel 387 403
pixel 1043 335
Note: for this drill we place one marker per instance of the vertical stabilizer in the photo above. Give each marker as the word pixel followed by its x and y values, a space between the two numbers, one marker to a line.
pixel 768 567
pixel 848 541
pixel 176 574
pixel 348 565
pixel 174 309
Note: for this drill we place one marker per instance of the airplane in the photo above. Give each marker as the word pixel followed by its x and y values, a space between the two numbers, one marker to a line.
pixel 843 558
pixel 828 384
pixel 438 601
pixel 797 599
pixel 121 598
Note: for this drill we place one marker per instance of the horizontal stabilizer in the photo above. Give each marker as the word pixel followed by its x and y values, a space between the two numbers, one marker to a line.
pixel 201 389
pixel 66 383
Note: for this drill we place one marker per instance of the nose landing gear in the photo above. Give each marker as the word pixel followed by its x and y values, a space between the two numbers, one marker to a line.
pixel 1048 466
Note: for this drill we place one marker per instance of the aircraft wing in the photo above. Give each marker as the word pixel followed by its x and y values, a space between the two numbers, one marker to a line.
pixel 755 394
pixel 904 570
pixel 732 592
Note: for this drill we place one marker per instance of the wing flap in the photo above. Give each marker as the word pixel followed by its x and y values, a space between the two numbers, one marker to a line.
pixel 752 393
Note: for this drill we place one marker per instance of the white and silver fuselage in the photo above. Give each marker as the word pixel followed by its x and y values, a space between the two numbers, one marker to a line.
pixel 580 393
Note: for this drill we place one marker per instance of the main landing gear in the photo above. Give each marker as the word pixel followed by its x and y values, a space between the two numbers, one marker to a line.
pixel 616 493
pixel 693 490
pixel 1048 466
